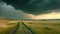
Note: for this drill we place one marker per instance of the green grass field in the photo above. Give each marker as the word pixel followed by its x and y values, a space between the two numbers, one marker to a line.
pixel 44 27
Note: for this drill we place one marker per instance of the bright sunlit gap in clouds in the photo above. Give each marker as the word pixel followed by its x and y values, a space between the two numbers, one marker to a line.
pixel 52 15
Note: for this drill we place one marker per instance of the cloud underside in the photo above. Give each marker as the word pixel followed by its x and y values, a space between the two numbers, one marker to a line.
pixel 34 6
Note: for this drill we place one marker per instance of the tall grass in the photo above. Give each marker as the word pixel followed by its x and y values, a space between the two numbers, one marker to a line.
pixel 44 27
pixel 6 30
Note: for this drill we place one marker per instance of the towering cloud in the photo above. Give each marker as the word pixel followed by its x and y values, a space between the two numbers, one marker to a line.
pixel 34 6
pixel 9 12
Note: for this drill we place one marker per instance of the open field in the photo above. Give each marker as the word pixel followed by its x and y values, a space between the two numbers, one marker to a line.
pixel 37 27
pixel 6 26
pixel 44 27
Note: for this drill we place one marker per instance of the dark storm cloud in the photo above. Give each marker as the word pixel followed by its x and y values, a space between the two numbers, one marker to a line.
pixel 34 6
pixel 7 11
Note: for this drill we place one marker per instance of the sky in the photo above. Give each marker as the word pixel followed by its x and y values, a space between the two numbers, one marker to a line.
pixel 26 9
pixel 52 15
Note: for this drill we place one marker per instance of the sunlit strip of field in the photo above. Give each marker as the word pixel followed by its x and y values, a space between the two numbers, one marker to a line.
pixel 44 27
